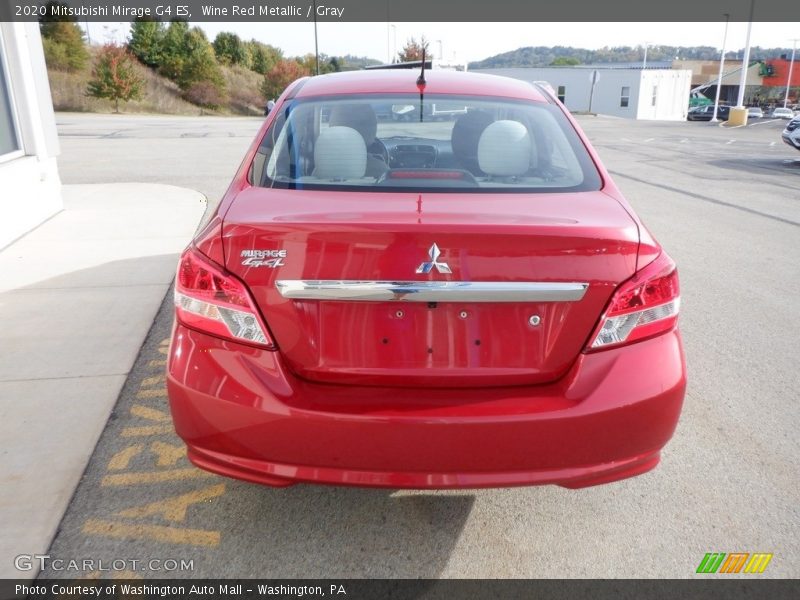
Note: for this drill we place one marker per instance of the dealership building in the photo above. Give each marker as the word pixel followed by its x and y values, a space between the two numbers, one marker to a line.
pixel 30 189
pixel 660 93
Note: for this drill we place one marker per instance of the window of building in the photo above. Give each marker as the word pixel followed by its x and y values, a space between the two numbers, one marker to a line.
pixel 655 95
pixel 562 93
pixel 9 138
pixel 625 96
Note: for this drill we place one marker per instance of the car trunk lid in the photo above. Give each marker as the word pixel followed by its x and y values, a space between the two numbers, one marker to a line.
pixel 433 289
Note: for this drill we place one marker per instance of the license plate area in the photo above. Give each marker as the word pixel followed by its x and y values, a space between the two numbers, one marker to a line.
pixel 435 335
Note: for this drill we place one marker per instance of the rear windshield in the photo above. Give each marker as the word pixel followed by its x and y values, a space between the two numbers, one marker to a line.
pixel 438 143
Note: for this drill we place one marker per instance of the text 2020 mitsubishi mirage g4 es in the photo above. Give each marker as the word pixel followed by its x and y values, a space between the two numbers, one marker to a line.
pixel 424 302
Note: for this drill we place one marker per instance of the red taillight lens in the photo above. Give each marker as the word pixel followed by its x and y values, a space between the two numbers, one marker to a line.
pixel 644 306
pixel 208 299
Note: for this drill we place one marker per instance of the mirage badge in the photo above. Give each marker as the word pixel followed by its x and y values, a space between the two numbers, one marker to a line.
pixel 263 258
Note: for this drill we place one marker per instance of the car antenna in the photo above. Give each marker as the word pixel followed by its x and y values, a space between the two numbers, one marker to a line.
pixel 421 84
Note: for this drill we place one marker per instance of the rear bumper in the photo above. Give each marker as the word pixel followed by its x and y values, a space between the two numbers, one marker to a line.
pixel 243 414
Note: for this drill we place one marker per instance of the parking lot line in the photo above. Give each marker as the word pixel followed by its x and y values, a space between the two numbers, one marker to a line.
pixel 151 414
pixel 158 533
pixel 155 393
pixel 146 430
pixel 153 476
pixel 152 381
pixel 174 509
pixel 122 459
pixel 168 454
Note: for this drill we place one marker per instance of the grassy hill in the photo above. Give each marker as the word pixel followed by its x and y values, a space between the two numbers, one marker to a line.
pixel 160 94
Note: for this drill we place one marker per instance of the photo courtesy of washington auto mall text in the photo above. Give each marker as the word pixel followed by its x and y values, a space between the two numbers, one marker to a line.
pixel 112 590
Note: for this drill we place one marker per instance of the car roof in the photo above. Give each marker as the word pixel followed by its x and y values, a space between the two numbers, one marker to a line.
pixel 438 81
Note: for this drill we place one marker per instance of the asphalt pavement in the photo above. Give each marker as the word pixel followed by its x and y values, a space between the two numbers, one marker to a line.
pixel 726 205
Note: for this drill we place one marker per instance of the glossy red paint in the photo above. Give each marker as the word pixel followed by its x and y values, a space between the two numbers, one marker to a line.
pixel 427 396
pixel 244 414
pixel 483 237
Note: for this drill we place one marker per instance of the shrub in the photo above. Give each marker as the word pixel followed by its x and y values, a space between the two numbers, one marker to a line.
pixel 205 94
pixel 281 75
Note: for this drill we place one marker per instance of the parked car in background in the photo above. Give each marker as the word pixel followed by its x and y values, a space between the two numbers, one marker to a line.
pixel 791 135
pixel 706 113
pixel 782 113
pixel 755 112
pixel 458 303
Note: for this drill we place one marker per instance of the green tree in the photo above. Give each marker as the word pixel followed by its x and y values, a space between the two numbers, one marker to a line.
pixel 62 39
pixel 413 50
pixel 115 76
pixel 334 64
pixel 565 61
pixel 231 50
pixel 174 50
pixel 199 62
pixel 146 40
pixel 264 56
pixel 281 75
pixel 327 64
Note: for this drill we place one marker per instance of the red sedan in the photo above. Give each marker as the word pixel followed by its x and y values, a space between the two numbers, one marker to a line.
pixel 424 283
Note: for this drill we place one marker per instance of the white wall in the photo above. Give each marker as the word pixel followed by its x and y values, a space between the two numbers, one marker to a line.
pixel 671 98
pixel 30 189
pixel 671 103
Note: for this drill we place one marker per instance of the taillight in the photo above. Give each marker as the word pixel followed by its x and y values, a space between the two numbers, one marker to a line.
pixel 644 306
pixel 215 302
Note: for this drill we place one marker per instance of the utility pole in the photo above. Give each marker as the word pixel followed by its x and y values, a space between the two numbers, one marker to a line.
pixel 789 78
pixel 644 62
pixel 316 45
pixel 721 67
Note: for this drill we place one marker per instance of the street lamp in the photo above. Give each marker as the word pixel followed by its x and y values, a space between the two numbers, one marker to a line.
pixel 745 59
pixel 789 77
pixel 721 67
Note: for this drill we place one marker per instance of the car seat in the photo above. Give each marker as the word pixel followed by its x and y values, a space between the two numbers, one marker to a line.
pixel 362 118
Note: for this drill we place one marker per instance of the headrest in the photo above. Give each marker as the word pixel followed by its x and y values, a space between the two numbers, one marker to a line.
pixel 505 149
pixel 340 153
pixel 466 133
pixel 360 117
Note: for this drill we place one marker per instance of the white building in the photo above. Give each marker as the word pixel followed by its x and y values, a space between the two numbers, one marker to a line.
pixel 30 189
pixel 632 93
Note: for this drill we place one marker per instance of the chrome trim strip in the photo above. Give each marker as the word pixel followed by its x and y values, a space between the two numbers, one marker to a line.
pixel 431 291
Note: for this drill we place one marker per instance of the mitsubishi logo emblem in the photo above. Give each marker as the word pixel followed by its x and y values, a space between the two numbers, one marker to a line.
pixel 434 253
